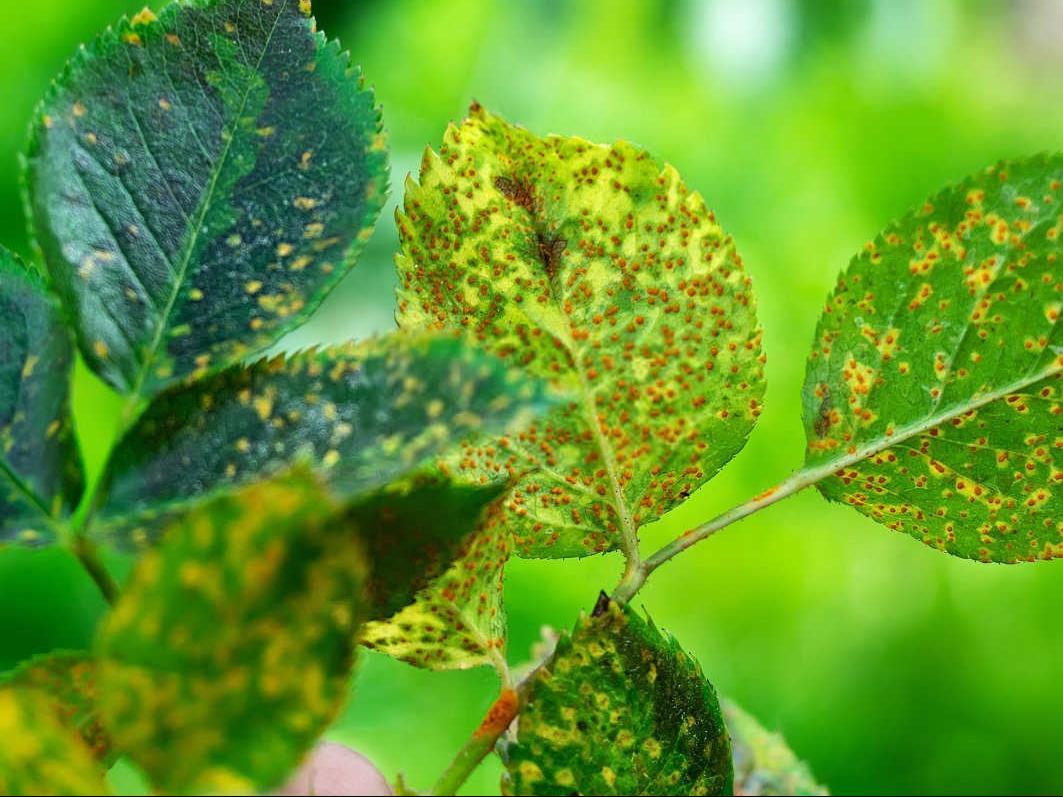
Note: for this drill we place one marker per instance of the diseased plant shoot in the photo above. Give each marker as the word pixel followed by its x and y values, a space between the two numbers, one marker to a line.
pixel 578 351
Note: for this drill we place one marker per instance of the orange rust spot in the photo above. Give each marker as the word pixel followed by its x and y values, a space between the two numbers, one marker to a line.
pixel 500 715
pixel 766 493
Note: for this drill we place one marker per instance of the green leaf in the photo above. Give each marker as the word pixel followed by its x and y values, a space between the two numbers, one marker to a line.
pixel 365 414
pixel 199 182
pixel 932 396
pixel 231 648
pixel 39 755
pixel 620 709
pixel 40 471
pixel 764 764
pixel 69 679
pixel 595 267
pixel 413 531
pixel 458 621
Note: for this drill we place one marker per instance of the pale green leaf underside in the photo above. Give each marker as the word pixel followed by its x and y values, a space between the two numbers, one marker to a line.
pixel 592 266
pixel 38 754
pixel 361 414
pixel 199 181
pixel 40 470
pixel 458 621
pixel 763 762
pixel 232 647
pixel 618 709
pixel 933 389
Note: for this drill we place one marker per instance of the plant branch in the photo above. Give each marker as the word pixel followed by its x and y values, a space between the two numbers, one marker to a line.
pixel 86 552
pixel 809 476
pixel 482 742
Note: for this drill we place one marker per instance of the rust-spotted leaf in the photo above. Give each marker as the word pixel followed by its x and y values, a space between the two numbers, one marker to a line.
pixel 40 471
pixel 198 182
pixel 363 414
pixel 618 709
pixel 764 764
pixel 68 679
pixel 595 267
pixel 457 621
pixel 231 648
pixel 413 530
pixel 932 396
pixel 38 753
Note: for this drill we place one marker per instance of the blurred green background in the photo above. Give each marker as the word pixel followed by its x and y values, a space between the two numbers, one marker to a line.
pixel 807 126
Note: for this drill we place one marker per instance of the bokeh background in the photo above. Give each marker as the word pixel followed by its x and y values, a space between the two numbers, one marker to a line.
pixel 807 126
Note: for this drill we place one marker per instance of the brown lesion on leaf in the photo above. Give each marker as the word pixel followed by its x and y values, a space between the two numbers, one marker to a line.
pixel 549 245
pixel 823 414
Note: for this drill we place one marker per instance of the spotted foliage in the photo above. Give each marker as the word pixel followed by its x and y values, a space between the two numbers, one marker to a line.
pixel 69 679
pixel 934 383
pixel 231 649
pixel 593 266
pixel 619 709
pixel 362 414
pixel 413 531
pixel 199 181
pixel 39 755
pixel 764 764
pixel 40 471
pixel 458 620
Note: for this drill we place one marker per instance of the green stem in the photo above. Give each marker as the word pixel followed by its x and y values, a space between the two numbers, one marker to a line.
pixel 84 549
pixel 482 742
pixel 86 552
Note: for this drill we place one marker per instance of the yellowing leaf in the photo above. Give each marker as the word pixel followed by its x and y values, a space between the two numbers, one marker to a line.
pixel 932 395
pixel 38 754
pixel 69 680
pixel 597 268
pixel 457 621
pixel 231 649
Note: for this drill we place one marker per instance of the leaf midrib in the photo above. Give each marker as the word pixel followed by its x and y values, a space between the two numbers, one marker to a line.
pixel 205 205
pixel 629 532
pixel 21 485
pixel 879 444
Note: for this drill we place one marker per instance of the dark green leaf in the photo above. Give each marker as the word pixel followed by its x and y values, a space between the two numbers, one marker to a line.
pixel 363 414
pixel 38 754
pixel 199 182
pixel 40 471
pixel 620 709
pixel 932 396
pixel 69 680
pixel 764 764
pixel 458 620
pixel 231 649
pixel 596 267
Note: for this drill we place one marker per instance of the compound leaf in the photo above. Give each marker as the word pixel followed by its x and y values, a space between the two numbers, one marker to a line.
pixel 40 471
pixel 619 709
pixel 764 764
pixel 364 414
pixel 231 649
pixel 199 181
pixel 69 679
pixel 932 396
pixel 592 266
pixel 40 755
pixel 457 621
